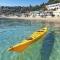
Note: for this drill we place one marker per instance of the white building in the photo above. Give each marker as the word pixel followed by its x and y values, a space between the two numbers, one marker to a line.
pixel 57 12
pixel 53 6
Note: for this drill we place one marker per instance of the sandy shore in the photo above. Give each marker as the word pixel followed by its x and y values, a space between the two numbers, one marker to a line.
pixel 46 19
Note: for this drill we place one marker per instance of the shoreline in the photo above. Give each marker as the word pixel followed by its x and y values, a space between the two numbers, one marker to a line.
pixel 52 21
pixel 38 18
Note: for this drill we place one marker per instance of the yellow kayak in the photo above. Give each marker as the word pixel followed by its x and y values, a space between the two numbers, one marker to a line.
pixel 25 43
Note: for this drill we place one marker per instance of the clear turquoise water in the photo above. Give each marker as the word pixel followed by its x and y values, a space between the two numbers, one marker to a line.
pixel 14 31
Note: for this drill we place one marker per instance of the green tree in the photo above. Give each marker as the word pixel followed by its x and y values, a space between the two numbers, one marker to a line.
pixel 53 1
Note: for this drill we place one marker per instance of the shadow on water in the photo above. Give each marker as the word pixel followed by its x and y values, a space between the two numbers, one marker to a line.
pixel 47 46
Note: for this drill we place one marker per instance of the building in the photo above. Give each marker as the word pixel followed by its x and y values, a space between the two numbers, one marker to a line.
pixel 53 6
pixel 56 13
pixel 38 13
pixel 35 13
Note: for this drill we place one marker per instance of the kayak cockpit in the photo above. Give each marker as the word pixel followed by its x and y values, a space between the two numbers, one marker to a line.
pixel 40 31
pixel 29 38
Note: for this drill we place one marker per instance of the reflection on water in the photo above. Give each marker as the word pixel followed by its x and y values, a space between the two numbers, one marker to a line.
pixel 14 31
pixel 12 23
pixel 47 46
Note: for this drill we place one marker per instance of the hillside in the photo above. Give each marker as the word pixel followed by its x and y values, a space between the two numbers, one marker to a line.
pixel 53 1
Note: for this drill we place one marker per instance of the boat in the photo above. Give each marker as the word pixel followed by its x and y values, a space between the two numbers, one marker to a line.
pixel 20 47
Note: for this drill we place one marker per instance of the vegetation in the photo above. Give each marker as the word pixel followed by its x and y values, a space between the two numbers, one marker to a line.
pixel 53 1
pixel 6 10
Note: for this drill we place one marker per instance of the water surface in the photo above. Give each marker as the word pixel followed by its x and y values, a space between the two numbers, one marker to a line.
pixel 14 31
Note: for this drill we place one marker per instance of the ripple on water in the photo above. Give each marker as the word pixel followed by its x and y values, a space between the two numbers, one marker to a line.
pixel 14 31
